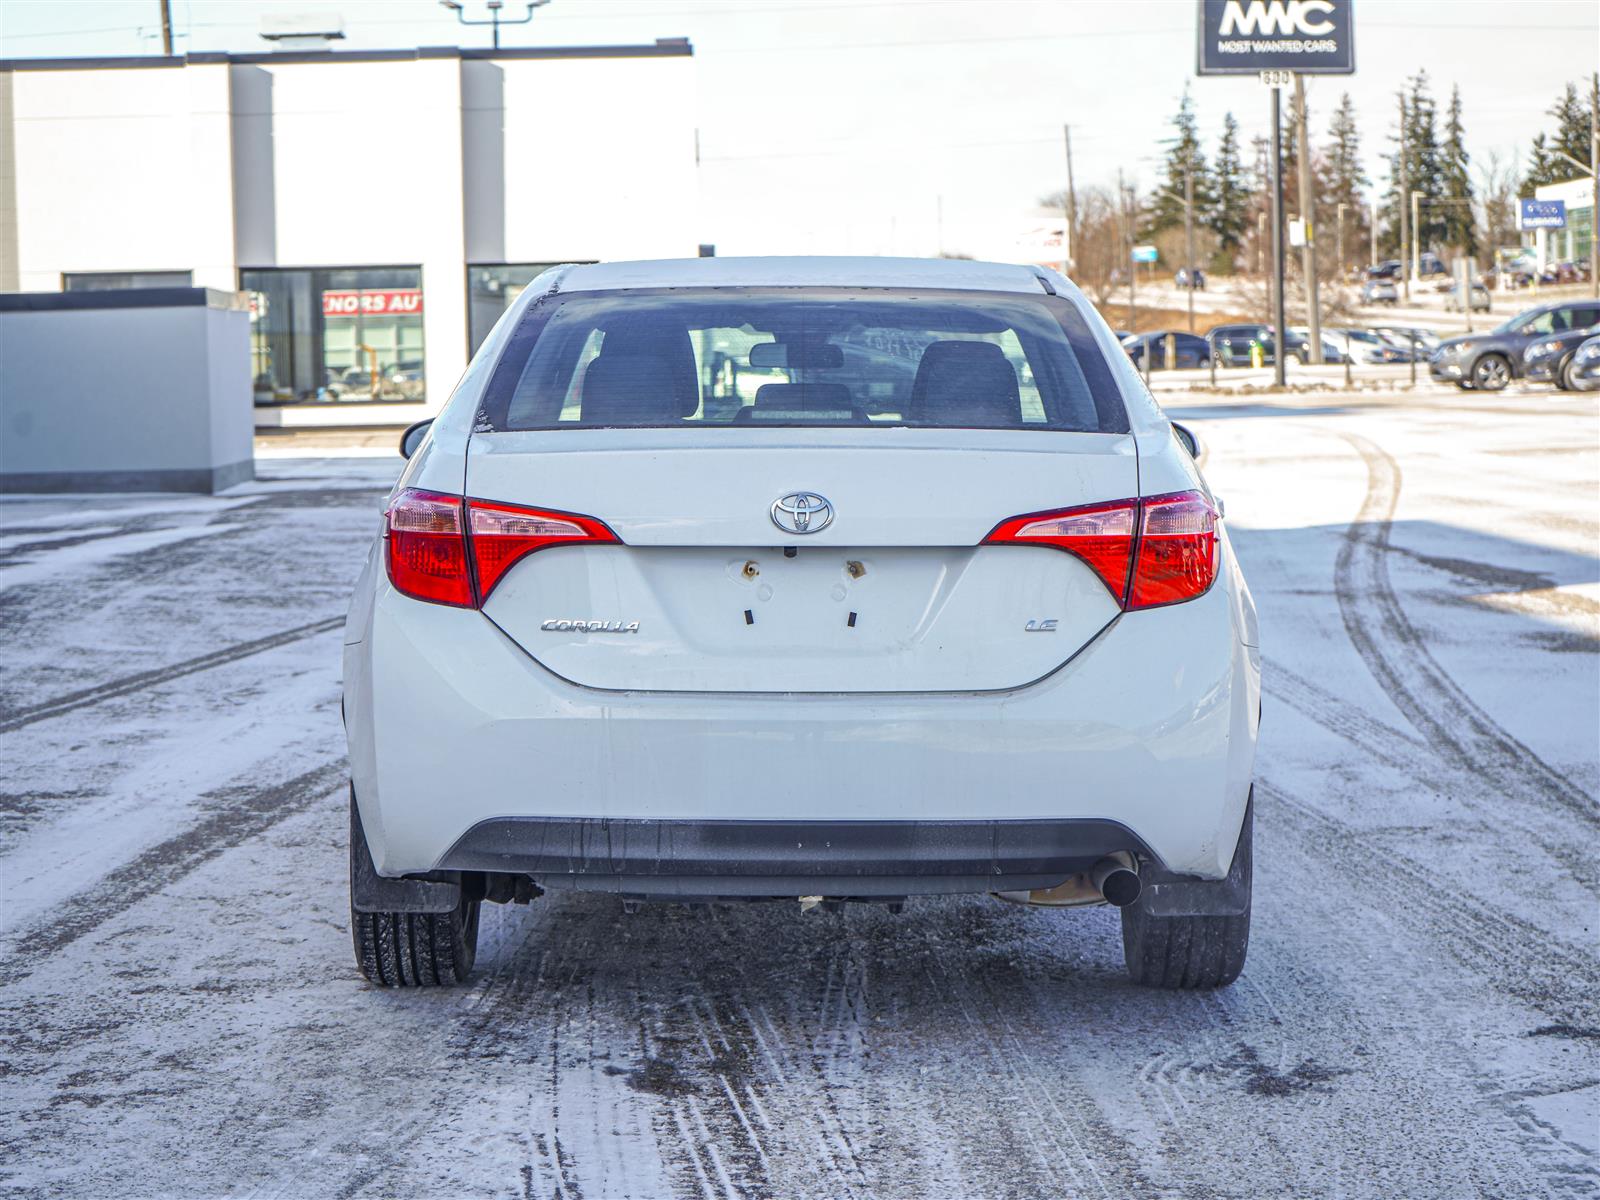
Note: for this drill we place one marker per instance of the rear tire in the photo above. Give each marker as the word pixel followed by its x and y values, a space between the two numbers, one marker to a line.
pixel 413 949
pixel 1190 952
pixel 1491 373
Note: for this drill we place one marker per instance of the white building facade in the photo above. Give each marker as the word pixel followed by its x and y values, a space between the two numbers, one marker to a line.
pixel 379 208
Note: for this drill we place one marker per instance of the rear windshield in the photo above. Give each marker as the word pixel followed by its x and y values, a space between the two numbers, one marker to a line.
pixel 802 357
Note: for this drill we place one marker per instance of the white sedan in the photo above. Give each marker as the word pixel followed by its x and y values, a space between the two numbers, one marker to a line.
pixel 816 579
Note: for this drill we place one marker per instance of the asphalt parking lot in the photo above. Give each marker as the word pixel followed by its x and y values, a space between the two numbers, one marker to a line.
pixel 1420 1015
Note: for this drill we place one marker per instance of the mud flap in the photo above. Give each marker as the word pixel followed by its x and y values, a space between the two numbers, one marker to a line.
pixel 1168 895
pixel 374 893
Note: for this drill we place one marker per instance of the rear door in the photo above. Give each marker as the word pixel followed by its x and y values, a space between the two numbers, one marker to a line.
pixel 905 428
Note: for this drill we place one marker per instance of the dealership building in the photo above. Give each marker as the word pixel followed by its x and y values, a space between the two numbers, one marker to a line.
pixel 379 209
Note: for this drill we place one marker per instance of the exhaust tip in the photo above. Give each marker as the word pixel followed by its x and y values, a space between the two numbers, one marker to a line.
pixel 1117 885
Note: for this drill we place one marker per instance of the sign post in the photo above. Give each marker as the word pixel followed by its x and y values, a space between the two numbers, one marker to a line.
pixel 1279 40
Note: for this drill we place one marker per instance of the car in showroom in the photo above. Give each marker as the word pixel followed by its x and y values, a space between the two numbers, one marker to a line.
pixel 1489 361
pixel 972 626
pixel 1550 360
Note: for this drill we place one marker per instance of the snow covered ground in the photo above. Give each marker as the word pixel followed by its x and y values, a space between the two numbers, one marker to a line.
pixel 180 1014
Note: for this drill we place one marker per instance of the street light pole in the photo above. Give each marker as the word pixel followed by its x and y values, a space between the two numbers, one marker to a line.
pixel 1279 322
pixel 1416 237
pixel 1308 252
pixel 1400 202
pixel 1338 235
pixel 1188 233
pixel 495 19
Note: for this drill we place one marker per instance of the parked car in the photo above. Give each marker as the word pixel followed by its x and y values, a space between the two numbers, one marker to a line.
pixel 1297 341
pixel 1550 360
pixel 1191 351
pixel 735 667
pixel 1389 269
pixel 1584 375
pixel 1480 298
pixel 1425 341
pixel 1369 346
pixel 1489 361
pixel 1380 291
pixel 1197 281
pixel 1231 344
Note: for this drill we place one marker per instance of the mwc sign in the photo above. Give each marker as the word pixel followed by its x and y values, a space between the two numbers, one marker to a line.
pixel 387 303
pixel 1244 37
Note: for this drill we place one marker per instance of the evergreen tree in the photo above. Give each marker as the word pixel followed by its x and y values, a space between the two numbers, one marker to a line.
pixel 1571 114
pixel 1417 171
pixel 1230 214
pixel 1460 230
pixel 1183 155
pixel 1345 178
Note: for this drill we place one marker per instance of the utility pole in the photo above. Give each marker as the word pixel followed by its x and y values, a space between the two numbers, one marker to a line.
pixel 1416 235
pixel 1072 207
pixel 1372 233
pixel 1127 254
pixel 1400 200
pixel 1279 323
pixel 166 27
pixel 1338 234
pixel 1594 186
pixel 1188 233
pixel 1308 252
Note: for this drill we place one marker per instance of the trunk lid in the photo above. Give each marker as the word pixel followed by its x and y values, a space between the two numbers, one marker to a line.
pixel 894 594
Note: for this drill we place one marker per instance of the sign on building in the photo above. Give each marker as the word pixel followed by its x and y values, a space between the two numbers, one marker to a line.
pixel 1541 214
pixel 347 303
pixel 1244 37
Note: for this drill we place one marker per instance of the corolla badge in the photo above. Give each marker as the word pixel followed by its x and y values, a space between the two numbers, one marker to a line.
pixel 802 512
pixel 568 625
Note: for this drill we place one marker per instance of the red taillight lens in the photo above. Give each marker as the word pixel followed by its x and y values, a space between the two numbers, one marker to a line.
pixel 1169 542
pixel 503 534
pixel 426 550
pixel 448 551
pixel 1100 534
pixel 1177 550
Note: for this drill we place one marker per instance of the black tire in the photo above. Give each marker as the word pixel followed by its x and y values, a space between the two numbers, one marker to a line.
pixel 396 949
pixel 1491 373
pixel 1563 374
pixel 1191 952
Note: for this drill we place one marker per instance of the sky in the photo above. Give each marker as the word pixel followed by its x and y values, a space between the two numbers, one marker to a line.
pixel 915 126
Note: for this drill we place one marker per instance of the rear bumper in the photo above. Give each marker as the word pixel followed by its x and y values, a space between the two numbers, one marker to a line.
pixel 462 746
pixel 788 858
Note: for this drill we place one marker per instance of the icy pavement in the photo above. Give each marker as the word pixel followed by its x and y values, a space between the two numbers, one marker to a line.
pixel 1420 1016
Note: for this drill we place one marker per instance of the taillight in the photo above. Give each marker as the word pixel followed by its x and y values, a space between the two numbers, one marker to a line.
pixel 1100 534
pixel 1150 552
pixel 426 549
pixel 445 550
pixel 1177 550
pixel 504 534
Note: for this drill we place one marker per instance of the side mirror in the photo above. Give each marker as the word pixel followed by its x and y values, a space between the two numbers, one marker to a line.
pixel 412 437
pixel 1187 438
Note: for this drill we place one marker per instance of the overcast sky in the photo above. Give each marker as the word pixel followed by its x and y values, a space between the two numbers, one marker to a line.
pixel 830 126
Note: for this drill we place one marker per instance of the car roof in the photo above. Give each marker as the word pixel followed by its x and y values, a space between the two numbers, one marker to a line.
pixel 797 271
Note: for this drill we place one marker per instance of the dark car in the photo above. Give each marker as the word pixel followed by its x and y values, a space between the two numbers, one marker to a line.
pixel 1385 270
pixel 1489 361
pixel 1230 344
pixel 1187 349
pixel 1584 374
pixel 1549 359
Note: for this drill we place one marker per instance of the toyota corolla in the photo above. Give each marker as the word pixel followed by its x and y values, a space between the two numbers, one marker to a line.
pixel 815 580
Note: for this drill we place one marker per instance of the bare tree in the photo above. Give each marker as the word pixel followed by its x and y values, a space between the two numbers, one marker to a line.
pixel 1096 243
pixel 1497 201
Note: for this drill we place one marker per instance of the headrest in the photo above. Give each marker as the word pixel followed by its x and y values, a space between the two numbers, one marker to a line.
pixel 629 389
pixel 966 383
pixel 803 402
pixel 672 347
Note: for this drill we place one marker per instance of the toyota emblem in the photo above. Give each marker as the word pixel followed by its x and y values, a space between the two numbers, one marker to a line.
pixel 802 512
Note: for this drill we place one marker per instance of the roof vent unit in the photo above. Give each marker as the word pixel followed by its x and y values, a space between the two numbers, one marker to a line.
pixel 302 31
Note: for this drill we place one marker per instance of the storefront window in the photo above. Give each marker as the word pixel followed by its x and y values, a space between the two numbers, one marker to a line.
pixel 116 281
pixel 491 290
pixel 336 337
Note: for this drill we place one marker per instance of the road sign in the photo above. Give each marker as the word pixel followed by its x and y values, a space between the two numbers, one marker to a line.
pixel 1145 254
pixel 1299 232
pixel 1541 214
pixel 1308 37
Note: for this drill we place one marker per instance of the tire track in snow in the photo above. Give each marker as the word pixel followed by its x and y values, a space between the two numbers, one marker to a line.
pixel 1376 623
pixel 1516 957
pixel 17 718
pixel 235 815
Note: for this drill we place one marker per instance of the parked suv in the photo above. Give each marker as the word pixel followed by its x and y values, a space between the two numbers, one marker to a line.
pixel 975 628
pixel 1489 361
pixel 1231 344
